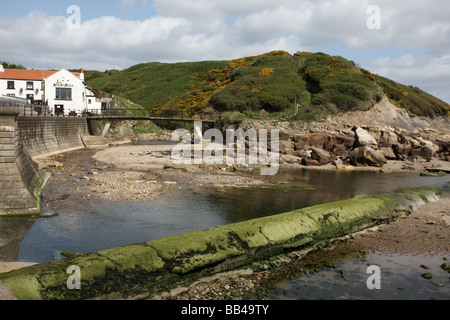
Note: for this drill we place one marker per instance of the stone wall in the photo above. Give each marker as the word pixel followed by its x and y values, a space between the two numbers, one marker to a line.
pixel 46 135
pixel 20 181
pixel 21 139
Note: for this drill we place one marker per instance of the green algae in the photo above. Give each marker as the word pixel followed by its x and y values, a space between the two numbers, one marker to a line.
pixel 163 261
pixel 433 174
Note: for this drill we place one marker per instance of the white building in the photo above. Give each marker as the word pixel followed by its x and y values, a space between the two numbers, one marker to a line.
pixel 62 91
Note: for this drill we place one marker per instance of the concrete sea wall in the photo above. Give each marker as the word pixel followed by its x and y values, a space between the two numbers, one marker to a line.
pixel 20 178
pixel 21 139
pixel 164 261
pixel 47 135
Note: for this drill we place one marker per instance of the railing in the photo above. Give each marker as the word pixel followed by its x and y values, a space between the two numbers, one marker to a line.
pixel 26 109
pixel 144 113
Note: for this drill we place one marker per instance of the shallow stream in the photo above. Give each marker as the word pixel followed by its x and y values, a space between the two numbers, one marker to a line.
pixel 109 224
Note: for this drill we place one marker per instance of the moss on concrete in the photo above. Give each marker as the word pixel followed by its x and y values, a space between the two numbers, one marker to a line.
pixel 151 264
pixel 433 174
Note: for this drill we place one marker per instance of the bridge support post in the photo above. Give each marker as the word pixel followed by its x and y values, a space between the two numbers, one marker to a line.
pixel 198 131
pixel 106 129
pixel 20 179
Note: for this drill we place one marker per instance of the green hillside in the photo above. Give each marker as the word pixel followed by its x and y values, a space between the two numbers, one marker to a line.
pixel 274 81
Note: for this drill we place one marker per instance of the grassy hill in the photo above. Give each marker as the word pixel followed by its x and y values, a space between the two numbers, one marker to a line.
pixel 275 81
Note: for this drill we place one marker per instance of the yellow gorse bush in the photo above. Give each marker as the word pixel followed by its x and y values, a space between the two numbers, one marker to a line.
pixel 266 71
pixel 210 83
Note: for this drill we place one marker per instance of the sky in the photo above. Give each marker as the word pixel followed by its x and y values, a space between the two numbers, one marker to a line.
pixel 408 42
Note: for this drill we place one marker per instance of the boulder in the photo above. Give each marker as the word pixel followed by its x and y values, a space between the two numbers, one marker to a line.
pixel 388 153
pixel 322 156
pixel 284 136
pixel 364 138
pixel 306 141
pixel 429 146
pixel 346 141
pixel 310 163
pixel 401 150
pixel 285 146
pixel 367 156
pixel 290 159
pixel 388 138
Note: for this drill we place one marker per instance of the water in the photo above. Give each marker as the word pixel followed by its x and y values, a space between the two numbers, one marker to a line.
pixel 109 224
pixel 399 279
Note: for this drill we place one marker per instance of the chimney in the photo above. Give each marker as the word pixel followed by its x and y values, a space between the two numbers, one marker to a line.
pixel 1 67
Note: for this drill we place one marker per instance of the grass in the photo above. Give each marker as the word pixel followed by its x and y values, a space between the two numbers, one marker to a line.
pixel 153 83
pixel 142 127
pixel 320 84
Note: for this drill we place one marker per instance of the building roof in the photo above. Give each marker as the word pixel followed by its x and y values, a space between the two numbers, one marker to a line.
pixel 21 74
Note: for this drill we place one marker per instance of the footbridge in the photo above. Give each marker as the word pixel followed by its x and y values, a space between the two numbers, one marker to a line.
pixel 111 115
pixel 145 114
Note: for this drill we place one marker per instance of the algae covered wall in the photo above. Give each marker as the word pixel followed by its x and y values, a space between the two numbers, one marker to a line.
pixel 151 264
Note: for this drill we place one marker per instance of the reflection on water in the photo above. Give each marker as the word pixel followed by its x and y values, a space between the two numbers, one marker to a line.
pixel 400 279
pixel 302 188
pixel 110 224
pixel 12 232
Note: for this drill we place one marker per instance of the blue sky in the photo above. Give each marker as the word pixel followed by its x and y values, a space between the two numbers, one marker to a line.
pixel 91 9
pixel 411 43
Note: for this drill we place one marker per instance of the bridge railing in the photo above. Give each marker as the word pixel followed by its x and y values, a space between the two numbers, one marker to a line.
pixel 26 109
pixel 145 113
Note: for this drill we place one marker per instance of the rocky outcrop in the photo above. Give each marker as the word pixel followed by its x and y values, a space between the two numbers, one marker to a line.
pixel 369 146
pixel 362 138
pixel 367 156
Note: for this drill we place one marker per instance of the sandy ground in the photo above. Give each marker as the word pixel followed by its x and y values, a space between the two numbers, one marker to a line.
pixel 10 266
pixel 425 231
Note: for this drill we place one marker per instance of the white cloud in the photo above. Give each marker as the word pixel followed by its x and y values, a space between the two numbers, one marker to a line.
pixel 216 8
pixel 426 72
pixel 192 30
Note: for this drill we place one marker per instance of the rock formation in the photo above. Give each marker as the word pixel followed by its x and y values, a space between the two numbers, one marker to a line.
pixel 361 138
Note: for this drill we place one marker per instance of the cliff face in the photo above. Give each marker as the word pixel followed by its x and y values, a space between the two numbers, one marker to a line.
pixel 385 114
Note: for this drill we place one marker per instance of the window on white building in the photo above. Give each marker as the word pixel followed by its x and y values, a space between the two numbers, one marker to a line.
pixel 63 94
pixel 10 85
pixel 30 85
